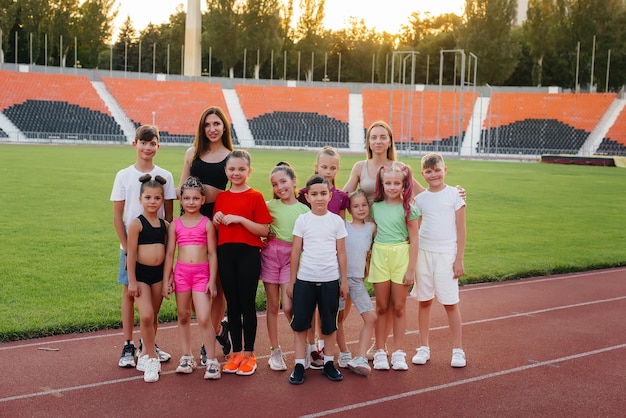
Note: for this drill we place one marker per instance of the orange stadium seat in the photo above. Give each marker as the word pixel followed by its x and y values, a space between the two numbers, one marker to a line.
pixel 296 116
pixel 177 105
pixel 420 117
pixel 535 123
pixel 56 106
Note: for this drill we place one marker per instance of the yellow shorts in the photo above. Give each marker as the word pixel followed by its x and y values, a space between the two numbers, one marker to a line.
pixel 389 262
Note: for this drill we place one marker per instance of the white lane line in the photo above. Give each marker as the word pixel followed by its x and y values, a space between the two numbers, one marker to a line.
pixel 480 321
pixel 531 280
pixel 551 363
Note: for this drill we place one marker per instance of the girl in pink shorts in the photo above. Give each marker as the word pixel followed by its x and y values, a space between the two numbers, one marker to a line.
pixel 275 256
pixel 194 277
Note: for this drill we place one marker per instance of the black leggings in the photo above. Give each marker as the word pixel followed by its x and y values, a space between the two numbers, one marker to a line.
pixel 239 267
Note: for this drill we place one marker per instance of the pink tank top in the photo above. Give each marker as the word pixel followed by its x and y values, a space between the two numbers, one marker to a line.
pixel 195 235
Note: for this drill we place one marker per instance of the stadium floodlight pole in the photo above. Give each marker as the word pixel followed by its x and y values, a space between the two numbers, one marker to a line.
pixel 469 61
pixel 139 57
pixel 125 57
pixel 608 65
pixel 75 55
pixel 593 63
pixel 271 65
pixel 339 70
pixel 245 54
pixel 60 52
pixel 577 87
pixel 110 58
pixel 154 58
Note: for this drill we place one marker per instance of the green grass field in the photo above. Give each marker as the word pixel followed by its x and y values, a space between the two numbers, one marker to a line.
pixel 60 253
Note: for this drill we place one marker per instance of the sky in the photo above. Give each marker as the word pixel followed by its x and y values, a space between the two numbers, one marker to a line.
pixel 385 15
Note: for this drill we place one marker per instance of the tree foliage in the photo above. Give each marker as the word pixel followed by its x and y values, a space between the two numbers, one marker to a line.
pixel 295 45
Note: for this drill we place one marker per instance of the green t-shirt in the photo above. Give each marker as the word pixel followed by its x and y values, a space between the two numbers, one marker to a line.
pixel 391 222
pixel 284 217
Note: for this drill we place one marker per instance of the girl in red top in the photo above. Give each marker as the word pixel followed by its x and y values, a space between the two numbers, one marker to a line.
pixel 242 218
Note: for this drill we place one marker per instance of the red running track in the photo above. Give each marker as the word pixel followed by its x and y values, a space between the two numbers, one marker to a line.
pixel 551 346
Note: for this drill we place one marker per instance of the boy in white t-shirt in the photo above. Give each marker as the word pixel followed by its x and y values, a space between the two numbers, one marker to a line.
pixel 442 237
pixel 318 275
pixel 126 207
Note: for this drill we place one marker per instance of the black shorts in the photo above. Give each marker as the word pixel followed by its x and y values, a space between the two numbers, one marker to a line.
pixel 308 295
pixel 148 274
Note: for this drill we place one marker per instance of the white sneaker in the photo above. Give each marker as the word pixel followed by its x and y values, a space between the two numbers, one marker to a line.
pixel 277 359
pixel 163 356
pixel 458 358
pixel 213 370
pixel 359 365
pixel 141 363
pixel 398 360
pixel 422 355
pixel 186 365
pixel 344 358
pixel 152 369
pixel 380 360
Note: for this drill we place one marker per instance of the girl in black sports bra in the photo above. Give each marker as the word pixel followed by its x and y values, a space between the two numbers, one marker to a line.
pixel 146 254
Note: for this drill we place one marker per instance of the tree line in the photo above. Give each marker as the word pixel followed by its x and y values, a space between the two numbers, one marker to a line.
pixel 568 43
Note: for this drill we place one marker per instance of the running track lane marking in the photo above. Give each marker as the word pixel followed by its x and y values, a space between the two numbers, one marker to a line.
pixel 466 288
pixel 462 382
pixel 110 382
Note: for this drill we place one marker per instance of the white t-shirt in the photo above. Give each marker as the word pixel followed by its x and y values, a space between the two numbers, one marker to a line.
pixel 126 188
pixel 438 211
pixel 319 234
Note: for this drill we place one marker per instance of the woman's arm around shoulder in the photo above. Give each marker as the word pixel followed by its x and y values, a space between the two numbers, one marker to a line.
pixel 355 177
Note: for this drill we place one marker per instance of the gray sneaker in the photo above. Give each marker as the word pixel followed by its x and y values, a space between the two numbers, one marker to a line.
pixel 277 359
pixel 127 359
pixel 213 370
pixel 343 359
pixel 360 365
pixel 187 365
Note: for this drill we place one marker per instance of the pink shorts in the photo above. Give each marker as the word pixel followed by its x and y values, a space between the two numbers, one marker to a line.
pixel 191 277
pixel 276 262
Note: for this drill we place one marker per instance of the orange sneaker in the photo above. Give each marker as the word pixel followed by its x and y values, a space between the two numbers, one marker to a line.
pixel 233 363
pixel 247 366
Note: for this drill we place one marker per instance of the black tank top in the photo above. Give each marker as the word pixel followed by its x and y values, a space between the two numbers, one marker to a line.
pixel 211 174
pixel 150 234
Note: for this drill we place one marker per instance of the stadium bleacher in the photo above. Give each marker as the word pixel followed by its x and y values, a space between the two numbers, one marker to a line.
pixel 56 106
pixel 536 123
pixel 177 105
pixel 68 108
pixel 427 120
pixel 296 117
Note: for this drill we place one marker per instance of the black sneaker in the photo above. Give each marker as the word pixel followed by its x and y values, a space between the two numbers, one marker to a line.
pixel 297 376
pixel 331 372
pixel 223 339
pixel 127 359
pixel 203 357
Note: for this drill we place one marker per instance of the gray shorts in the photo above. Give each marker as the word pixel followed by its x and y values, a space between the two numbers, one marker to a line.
pixel 359 296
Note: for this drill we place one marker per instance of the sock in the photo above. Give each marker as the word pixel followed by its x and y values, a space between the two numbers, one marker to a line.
pixel 300 361
pixel 320 344
pixel 328 358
